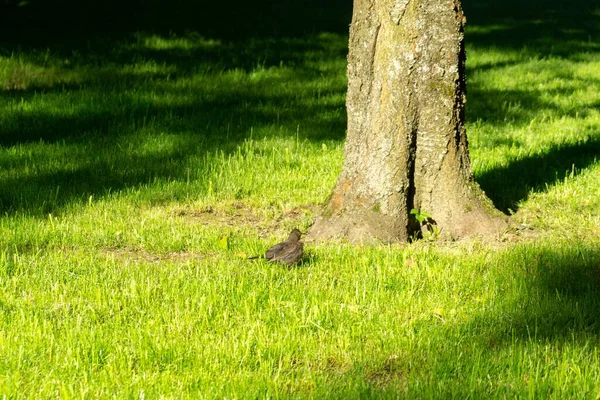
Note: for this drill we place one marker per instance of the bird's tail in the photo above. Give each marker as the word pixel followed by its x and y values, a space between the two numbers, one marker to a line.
pixel 255 257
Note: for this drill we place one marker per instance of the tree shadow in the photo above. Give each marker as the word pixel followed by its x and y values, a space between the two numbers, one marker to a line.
pixel 544 27
pixel 545 304
pixel 534 30
pixel 108 111
pixel 95 147
pixel 46 22
pixel 520 107
pixel 558 298
pixel 97 111
pixel 101 42
pixel 537 26
pixel 507 186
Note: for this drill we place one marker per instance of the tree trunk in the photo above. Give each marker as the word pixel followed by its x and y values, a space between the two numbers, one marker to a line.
pixel 406 146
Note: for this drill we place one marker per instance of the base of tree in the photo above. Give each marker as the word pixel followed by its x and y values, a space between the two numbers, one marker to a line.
pixel 406 171
pixel 365 226
pixel 358 227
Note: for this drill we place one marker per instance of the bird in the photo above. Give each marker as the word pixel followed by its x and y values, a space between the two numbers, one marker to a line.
pixel 288 252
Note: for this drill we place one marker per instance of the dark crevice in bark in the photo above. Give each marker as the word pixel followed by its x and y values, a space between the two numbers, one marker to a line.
pixel 413 226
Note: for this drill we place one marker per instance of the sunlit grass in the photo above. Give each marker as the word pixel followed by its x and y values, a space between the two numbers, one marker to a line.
pixel 133 185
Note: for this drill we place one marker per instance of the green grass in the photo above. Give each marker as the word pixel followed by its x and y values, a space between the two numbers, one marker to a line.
pixel 137 173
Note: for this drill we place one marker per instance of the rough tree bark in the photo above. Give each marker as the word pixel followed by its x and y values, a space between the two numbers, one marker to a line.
pixel 406 146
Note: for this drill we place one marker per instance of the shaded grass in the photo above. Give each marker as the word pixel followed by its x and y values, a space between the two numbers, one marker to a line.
pixel 106 127
pixel 137 174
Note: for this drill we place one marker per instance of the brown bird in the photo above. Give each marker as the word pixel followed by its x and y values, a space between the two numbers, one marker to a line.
pixel 288 252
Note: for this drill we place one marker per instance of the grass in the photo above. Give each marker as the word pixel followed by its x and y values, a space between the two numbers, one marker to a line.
pixel 139 171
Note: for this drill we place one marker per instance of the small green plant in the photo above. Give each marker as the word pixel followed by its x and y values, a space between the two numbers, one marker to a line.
pixel 420 215
pixel 428 228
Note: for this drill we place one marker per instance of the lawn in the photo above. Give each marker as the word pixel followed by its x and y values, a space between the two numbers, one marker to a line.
pixel 139 169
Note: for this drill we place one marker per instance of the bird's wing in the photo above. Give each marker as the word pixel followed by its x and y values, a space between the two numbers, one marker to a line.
pixel 290 253
pixel 273 251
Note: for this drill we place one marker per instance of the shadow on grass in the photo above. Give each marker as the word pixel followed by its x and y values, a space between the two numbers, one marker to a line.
pixel 43 22
pixel 521 107
pixel 86 99
pixel 536 319
pixel 540 319
pixel 555 296
pixel 76 68
pixel 556 27
pixel 509 185
pixel 91 141
pixel 215 114
pixel 536 30
pixel 540 27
